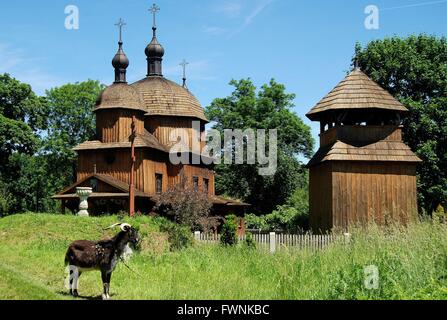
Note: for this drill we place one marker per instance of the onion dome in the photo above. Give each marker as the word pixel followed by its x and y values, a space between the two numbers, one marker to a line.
pixel 154 49
pixel 154 53
pixel 120 62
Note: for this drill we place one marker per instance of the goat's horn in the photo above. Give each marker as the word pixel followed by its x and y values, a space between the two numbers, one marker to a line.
pixel 113 225
pixel 124 225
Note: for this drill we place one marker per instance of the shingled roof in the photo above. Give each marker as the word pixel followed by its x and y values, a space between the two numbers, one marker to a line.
pixel 141 140
pixel 161 96
pixel 396 151
pixel 356 91
pixel 119 95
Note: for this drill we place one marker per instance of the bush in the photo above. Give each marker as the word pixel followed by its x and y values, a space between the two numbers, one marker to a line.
pixel 4 197
pixel 249 241
pixel 179 236
pixel 185 205
pixel 439 214
pixel 229 231
pixel 3 206
pixel 292 217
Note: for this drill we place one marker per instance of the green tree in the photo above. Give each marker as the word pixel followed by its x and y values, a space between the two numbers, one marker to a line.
pixel 28 189
pixel 268 108
pixel 71 121
pixel 22 117
pixel 414 70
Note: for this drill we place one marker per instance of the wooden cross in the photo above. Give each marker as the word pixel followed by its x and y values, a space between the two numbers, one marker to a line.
pixel 184 64
pixel 154 9
pixel 120 25
pixel 132 168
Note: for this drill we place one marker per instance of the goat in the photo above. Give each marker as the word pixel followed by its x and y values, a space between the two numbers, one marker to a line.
pixel 103 255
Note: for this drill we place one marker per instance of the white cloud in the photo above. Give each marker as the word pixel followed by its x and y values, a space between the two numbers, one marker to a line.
pixel 213 30
pixel 15 62
pixel 230 8
pixel 427 3
pixel 257 10
pixel 245 11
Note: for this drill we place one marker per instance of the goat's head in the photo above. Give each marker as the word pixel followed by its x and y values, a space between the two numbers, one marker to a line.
pixel 131 232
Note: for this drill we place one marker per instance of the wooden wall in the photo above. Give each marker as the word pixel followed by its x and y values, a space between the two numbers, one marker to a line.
pixel 361 134
pixel 366 192
pixel 154 163
pixel 114 125
pixel 161 127
pixel 148 163
pixel 119 168
pixel 361 192
pixel 320 197
pixel 191 171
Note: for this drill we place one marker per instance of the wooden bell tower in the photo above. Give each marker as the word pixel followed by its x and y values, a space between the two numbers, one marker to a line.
pixel 363 171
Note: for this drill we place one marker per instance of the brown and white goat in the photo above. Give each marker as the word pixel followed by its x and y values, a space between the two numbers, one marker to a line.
pixel 103 255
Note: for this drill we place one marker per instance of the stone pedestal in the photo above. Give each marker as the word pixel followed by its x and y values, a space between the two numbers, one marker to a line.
pixel 83 193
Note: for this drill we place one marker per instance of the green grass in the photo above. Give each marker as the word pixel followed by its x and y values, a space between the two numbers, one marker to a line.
pixel 412 263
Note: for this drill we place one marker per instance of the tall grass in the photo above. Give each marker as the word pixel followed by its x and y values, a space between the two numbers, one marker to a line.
pixel 412 264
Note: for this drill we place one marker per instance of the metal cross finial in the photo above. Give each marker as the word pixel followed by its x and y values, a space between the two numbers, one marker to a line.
pixel 154 9
pixel 120 25
pixel 184 63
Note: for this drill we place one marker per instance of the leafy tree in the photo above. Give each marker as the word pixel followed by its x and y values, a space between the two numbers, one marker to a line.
pixel 36 137
pixel 22 116
pixel 28 189
pixel 414 70
pixel 269 108
pixel 71 122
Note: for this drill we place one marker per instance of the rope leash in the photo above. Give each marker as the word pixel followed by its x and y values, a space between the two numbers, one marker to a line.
pixel 124 262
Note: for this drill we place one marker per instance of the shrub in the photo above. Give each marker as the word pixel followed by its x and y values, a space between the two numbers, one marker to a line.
pixel 3 206
pixel 292 217
pixel 229 231
pixel 179 236
pixel 184 205
pixel 4 199
pixel 249 241
pixel 439 214
pixel 209 224
pixel 253 221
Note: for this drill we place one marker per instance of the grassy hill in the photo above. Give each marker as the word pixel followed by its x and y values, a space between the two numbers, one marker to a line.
pixel 412 264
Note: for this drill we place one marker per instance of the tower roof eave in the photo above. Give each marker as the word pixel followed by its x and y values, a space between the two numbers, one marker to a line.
pixel 356 92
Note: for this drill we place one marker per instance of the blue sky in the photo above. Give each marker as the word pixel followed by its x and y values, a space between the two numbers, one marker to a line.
pixel 307 45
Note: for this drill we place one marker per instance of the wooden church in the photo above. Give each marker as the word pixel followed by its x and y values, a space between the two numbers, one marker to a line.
pixel 363 171
pixel 137 120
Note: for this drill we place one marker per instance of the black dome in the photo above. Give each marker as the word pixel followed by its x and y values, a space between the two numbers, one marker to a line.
pixel 120 60
pixel 154 49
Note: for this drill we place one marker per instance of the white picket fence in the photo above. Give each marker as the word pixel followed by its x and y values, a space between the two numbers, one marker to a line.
pixel 277 241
